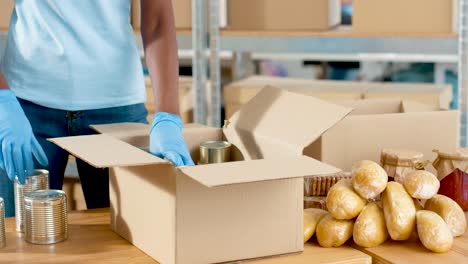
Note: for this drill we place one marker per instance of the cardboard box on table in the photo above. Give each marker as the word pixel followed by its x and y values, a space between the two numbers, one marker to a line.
pixel 378 124
pixel 405 16
pixel 238 93
pixel 218 212
pixel 283 15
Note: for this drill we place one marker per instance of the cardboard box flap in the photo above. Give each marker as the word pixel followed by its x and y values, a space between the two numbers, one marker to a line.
pixel 103 151
pixel 213 175
pixel 282 118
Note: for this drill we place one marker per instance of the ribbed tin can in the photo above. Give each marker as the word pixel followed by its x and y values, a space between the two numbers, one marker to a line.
pixel 215 152
pixel 38 181
pixel 2 224
pixel 45 217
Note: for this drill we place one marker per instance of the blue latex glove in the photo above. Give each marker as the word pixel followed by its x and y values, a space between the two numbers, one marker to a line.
pixel 18 144
pixel 167 141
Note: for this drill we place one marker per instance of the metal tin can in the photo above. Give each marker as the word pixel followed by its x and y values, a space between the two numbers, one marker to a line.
pixel 215 152
pixel 38 181
pixel 2 224
pixel 45 217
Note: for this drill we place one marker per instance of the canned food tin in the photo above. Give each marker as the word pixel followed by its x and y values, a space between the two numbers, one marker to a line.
pixel 2 224
pixel 45 217
pixel 215 152
pixel 38 181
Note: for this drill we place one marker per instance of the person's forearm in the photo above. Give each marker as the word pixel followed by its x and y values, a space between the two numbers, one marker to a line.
pixel 160 43
pixel 3 82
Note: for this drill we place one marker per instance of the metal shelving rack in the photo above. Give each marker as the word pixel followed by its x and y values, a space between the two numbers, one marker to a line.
pixel 443 48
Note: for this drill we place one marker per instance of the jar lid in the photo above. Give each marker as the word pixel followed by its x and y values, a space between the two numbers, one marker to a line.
pixel 400 157
pixel 459 154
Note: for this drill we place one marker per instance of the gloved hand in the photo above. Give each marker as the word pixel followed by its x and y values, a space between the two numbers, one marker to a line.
pixel 18 144
pixel 166 140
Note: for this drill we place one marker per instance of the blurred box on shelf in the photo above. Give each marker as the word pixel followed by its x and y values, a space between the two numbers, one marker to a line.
pixel 403 16
pixel 185 214
pixel 6 7
pixel 378 124
pixel 185 99
pixel 182 14
pixel 238 93
pixel 282 15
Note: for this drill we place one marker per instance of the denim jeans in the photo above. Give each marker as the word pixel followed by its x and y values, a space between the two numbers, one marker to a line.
pixel 49 123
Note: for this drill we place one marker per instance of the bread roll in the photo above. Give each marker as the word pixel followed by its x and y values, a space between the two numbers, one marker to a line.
pixel 369 179
pixel 433 231
pixel 450 211
pixel 399 211
pixel 332 232
pixel 343 202
pixel 369 229
pixel 312 217
pixel 421 184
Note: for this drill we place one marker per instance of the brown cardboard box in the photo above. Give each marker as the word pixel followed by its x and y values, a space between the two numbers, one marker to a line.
pixel 185 99
pixel 135 15
pixel 436 95
pixel 186 95
pixel 283 15
pixel 182 13
pixel 6 7
pixel 217 212
pixel 378 124
pixel 403 16
pixel 238 93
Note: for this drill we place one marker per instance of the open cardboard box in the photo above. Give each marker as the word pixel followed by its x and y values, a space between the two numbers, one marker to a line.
pixel 378 124
pixel 218 212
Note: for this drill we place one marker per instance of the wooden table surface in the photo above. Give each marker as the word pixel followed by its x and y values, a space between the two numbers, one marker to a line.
pixel 410 252
pixel 92 241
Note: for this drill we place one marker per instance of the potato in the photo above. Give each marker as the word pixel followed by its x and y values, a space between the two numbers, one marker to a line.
pixel 332 232
pixel 450 211
pixel 399 211
pixel 311 218
pixel 433 231
pixel 369 229
pixel 421 184
pixel 343 202
pixel 369 179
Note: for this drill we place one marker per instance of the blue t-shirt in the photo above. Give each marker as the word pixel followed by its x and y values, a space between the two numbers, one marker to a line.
pixel 73 55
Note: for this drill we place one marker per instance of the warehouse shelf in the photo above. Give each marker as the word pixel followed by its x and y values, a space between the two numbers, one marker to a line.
pixel 342 42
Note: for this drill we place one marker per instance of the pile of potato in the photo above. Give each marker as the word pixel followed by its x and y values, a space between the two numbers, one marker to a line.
pixel 355 210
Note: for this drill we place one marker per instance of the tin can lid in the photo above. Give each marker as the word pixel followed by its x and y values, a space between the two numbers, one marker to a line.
pixel 1 202
pixel 215 144
pixel 44 196
pixel 37 175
